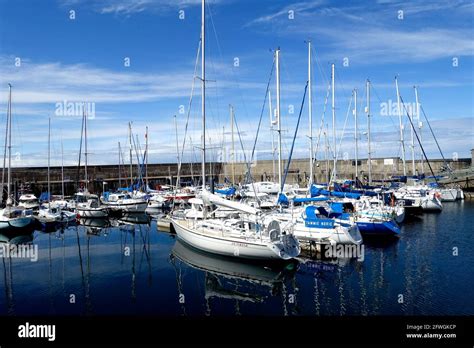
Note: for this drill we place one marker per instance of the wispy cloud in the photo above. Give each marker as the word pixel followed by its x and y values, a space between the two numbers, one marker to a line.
pixel 129 7
pixel 375 34
pixel 55 82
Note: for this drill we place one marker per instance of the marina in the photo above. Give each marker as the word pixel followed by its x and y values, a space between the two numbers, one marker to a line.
pixel 90 260
pixel 217 161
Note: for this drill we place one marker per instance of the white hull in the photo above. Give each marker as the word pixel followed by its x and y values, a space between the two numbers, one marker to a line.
pixel 139 207
pixel 92 213
pixel 227 246
pixel 337 235
pixel 431 204
pixel 448 195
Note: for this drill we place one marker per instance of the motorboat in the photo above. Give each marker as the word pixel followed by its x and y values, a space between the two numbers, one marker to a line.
pixel 28 201
pixel 124 203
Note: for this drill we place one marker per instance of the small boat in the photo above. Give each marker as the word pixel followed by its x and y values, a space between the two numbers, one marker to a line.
pixel 312 225
pixel 28 201
pixel 380 226
pixel 122 202
pixel 15 218
pixel 91 209
pixel 49 213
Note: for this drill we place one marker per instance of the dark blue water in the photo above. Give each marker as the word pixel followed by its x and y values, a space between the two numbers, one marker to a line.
pixel 137 270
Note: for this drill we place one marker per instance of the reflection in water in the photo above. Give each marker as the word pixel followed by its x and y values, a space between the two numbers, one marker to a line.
pixel 232 279
pixel 7 239
pixel 125 266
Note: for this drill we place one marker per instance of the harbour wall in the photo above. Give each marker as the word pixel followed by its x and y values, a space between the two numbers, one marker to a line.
pixel 35 178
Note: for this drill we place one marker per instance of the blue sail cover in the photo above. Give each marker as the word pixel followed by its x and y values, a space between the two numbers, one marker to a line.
pixel 44 197
pixel 313 221
pixel 341 194
pixel 282 199
pixel 312 199
pixel 314 191
pixel 227 192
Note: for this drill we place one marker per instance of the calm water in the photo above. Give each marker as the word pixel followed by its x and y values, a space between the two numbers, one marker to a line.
pixel 136 269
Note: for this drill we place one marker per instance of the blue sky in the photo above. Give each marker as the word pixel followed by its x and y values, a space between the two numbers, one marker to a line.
pixel 82 59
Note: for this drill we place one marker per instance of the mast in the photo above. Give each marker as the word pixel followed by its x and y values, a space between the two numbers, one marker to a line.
pixel 192 160
pixel 356 150
pixel 6 142
pixel 277 55
pixel 328 178
pixel 333 123
pixel 146 157
pixel 369 152
pixel 9 122
pixel 233 149
pixel 203 91
pixel 412 145
pixel 120 165
pixel 271 133
pixel 402 142
pixel 62 169
pixel 310 115
pixel 85 150
pixel 420 124
pixel 177 148
pixel 130 153
pixel 49 163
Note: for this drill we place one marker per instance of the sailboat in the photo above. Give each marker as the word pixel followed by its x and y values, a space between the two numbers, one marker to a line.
pixel 12 217
pixel 49 213
pixel 250 235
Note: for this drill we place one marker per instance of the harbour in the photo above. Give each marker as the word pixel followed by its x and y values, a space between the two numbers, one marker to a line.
pixel 236 172
pixel 145 270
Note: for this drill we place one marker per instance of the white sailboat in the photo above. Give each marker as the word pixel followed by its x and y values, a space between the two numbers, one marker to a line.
pixel 250 235
pixel 47 212
pixel 12 217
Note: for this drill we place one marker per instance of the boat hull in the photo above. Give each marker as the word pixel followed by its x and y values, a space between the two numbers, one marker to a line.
pixel 378 228
pixel 92 213
pixel 226 247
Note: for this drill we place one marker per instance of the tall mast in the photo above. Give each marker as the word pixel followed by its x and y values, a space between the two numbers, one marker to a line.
pixel 6 143
pixel 333 123
pixel 120 165
pixel 85 149
pixel 177 148
pixel 369 152
pixel 412 145
pixel 402 142
pixel 356 150
pixel 9 143
pixel 277 55
pixel 49 163
pixel 130 153
pixel 310 115
pixel 192 160
pixel 233 149
pixel 203 91
pixel 271 133
pixel 420 124
pixel 62 169
pixel 146 157
pixel 326 140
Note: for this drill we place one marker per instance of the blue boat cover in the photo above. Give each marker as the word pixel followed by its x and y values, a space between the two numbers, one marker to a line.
pixel 314 191
pixel 228 192
pixel 313 221
pixel 282 199
pixel 312 199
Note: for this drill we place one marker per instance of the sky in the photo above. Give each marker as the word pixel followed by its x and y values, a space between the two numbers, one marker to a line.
pixel 135 60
